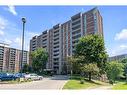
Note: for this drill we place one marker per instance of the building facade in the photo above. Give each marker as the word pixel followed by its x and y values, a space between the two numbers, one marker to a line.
pixel 4 58
pixel 10 58
pixel 60 40
pixel 117 57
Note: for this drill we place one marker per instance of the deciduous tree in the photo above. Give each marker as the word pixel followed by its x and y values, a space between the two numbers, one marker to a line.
pixel 114 70
pixel 39 59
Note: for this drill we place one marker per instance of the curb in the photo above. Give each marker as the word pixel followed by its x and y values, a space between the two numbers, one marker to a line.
pixel 61 88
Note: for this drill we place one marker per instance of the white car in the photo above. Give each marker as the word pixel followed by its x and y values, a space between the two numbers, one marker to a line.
pixel 33 77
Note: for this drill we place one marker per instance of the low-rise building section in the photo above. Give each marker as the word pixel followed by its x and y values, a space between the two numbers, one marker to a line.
pixel 117 57
pixel 10 58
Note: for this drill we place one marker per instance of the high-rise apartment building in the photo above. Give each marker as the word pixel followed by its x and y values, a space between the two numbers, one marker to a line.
pixel 4 51
pixel 10 58
pixel 61 39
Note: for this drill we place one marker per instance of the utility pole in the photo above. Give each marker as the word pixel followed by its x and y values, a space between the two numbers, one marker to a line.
pixel 23 21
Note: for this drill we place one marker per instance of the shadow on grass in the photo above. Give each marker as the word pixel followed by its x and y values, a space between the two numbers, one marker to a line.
pixel 92 82
pixel 79 78
pixel 125 83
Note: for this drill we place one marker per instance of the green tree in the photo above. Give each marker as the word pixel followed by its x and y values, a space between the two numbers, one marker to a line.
pixel 90 69
pixel 39 60
pixel 91 49
pixel 114 70
pixel 73 64
pixel 124 62
pixel 26 68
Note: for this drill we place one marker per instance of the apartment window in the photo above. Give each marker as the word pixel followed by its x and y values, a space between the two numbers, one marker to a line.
pixel 77 36
pixel 56 31
pixel 76 27
pixel 56 47
pixel 44 46
pixel 76 41
pixel 95 23
pixel 56 59
pixel 76 32
pixel 56 35
pixel 56 63
pixel 56 54
pixel 44 40
pixel 76 17
pixel 56 50
pixel 56 39
pixel 84 23
pixel 74 23
pixel 56 43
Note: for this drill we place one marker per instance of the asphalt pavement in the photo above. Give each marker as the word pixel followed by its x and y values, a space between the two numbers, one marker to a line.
pixel 56 82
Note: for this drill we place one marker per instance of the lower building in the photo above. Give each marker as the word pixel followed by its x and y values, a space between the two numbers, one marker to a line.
pixel 4 58
pixel 117 57
pixel 10 58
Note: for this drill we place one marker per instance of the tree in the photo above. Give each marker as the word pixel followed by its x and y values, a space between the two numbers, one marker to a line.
pixel 39 60
pixel 73 65
pixel 64 69
pixel 26 68
pixel 91 49
pixel 114 70
pixel 90 69
pixel 124 62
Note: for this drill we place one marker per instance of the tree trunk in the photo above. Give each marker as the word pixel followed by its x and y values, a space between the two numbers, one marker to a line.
pixel 89 76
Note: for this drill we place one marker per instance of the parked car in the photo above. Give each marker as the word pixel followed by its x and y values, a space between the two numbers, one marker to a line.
pixel 7 77
pixel 19 75
pixel 33 77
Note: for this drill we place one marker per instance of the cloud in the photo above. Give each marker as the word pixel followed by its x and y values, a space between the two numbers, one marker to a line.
pixel 11 34
pixel 7 41
pixel 123 47
pixel 118 50
pixel 3 23
pixel 122 35
pixel 12 10
pixel 18 41
pixel 1 33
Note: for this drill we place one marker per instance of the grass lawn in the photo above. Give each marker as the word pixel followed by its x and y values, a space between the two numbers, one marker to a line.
pixel 75 84
pixel 121 85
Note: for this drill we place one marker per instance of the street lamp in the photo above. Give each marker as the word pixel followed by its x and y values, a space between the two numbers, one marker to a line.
pixel 23 21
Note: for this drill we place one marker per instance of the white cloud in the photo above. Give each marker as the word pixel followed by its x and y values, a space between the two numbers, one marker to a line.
pixel 7 41
pixel 123 46
pixel 12 10
pixel 1 33
pixel 118 50
pixel 10 34
pixel 3 23
pixel 122 35
pixel 18 41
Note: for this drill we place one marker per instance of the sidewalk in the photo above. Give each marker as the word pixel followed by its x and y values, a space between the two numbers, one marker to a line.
pixel 101 88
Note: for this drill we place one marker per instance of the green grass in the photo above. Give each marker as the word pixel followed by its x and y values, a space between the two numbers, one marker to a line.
pixel 74 83
pixel 120 85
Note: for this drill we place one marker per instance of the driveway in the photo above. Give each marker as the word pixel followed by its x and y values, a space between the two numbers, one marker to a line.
pixel 101 88
pixel 55 82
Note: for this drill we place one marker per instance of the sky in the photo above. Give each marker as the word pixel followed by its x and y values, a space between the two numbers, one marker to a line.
pixel 40 18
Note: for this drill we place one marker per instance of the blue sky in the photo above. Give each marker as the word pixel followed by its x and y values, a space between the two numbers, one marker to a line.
pixel 40 18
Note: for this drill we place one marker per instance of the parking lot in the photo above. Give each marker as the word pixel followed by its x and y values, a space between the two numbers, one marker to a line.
pixel 55 82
